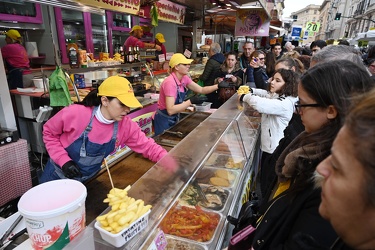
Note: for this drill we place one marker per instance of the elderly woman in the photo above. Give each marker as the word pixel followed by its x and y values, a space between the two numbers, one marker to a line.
pixel 347 179
pixel 289 212
pixel 172 93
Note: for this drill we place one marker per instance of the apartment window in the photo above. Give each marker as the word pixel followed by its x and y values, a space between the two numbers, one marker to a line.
pixel 315 11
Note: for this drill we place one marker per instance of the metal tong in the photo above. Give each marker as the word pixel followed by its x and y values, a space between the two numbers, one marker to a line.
pixel 201 194
pixel 10 229
pixel 178 133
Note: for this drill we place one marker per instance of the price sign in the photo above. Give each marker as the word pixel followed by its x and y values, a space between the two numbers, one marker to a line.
pixel 312 27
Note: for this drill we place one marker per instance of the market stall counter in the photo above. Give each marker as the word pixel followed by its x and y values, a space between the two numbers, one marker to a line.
pixel 217 157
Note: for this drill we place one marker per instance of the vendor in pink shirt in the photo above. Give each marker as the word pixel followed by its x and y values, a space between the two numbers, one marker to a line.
pixel 16 61
pixel 134 39
pixel 172 93
pixel 80 136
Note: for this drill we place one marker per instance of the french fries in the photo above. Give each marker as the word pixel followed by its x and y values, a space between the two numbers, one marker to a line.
pixel 243 90
pixel 124 210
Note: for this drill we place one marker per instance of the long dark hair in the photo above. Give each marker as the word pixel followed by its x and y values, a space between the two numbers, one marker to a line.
pixel 92 99
pixel 331 83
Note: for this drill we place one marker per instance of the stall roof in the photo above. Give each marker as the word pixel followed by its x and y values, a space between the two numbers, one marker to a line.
pixel 70 4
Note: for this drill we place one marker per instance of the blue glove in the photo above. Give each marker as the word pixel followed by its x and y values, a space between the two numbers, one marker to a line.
pixel 71 170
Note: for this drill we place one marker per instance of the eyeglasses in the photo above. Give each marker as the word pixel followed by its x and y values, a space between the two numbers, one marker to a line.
pixel 298 106
pixel 262 59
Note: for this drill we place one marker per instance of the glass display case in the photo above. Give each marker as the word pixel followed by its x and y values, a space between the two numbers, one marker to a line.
pixel 71 28
pixel 195 71
pixel 99 34
pixel 88 30
pixel 119 25
pixel 20 11
pixel 217 158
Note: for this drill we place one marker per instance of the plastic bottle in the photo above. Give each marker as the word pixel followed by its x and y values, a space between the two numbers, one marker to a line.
pixel 73 54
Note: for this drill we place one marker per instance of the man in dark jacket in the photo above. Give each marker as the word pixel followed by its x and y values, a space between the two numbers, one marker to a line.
pixel 244 59
pixel 212 71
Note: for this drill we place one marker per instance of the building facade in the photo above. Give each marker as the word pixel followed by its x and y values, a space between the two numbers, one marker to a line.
pixel 300 18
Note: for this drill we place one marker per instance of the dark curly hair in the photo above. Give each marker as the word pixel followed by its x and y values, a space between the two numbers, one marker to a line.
pixel 291 80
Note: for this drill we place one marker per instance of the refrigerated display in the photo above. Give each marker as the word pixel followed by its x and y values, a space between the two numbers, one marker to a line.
pixel 231 131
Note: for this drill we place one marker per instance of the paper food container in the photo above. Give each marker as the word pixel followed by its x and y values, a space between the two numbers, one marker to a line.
pixel 126 234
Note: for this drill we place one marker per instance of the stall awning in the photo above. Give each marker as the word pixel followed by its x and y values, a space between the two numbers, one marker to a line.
pixel 281 30
pixel 360 36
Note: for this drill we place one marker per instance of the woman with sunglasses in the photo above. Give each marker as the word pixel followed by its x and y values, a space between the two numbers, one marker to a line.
pixel 256 69
pixel 289 212
pixel 172 93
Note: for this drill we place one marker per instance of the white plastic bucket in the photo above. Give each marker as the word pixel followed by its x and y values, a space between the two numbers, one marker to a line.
pixel 54 213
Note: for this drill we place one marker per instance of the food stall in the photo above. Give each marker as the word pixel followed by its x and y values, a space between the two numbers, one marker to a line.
pixel 218 156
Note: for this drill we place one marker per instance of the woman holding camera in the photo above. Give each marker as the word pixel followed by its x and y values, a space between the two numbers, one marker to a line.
pixel 230 77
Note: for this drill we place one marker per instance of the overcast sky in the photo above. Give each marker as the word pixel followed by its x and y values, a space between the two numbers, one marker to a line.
pixel 295 5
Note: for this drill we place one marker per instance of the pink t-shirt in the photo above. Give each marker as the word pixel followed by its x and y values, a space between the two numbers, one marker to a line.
pixel 15 54
pixel 169 88
pixel 132 41
pixel 67 125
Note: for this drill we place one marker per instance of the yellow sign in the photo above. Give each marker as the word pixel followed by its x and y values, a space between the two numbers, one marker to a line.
pixel 126 6
pixel 171 12
pixel 312 28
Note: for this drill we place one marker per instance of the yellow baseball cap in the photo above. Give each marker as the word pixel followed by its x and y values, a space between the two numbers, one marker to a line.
pixel 121 88
pixel 179 58
pixel 14 34
pixel 160 37
pixel 136 27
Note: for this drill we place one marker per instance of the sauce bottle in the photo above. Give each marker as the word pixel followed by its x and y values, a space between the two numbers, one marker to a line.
pixel 73 54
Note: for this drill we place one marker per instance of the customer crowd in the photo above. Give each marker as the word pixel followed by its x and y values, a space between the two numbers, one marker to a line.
pixel 316 184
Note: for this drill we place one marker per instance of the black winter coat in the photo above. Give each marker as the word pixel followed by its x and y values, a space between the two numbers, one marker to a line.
pixel 267 170
pixel 210 73
pixel 260 79
pixel 288 218
pixel 212 69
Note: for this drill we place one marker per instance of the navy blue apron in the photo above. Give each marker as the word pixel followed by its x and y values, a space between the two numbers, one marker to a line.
pixel 163 121
pixel 88 156
pixel 15 76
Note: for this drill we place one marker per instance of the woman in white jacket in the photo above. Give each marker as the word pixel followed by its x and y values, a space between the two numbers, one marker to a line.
pixel 276 107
